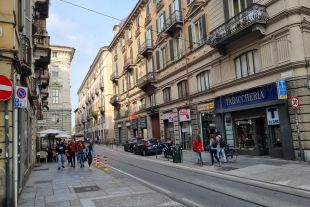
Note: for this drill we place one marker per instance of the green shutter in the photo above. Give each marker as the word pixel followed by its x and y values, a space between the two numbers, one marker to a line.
pixel 171 50
pixel 204 28
pixel 226 9
pixel 157 60
pixel 190 38
pixel 157 26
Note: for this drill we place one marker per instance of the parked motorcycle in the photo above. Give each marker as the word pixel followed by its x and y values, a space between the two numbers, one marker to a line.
pixel 167 148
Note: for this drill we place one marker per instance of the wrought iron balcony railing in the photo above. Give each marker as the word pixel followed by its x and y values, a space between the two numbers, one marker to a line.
pixel 174 22
pixel 146 48
pixel 255 14
pixel 25 55
pixel 128 64
pixel 146 83
pixel 114 76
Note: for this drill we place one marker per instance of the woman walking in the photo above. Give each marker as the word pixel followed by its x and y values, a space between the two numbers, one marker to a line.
pixel 220 146
pixel 213 151
pixel 90 152
pixel 197 147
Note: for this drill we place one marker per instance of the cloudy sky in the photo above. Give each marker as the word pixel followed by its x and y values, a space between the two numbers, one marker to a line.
pixel 84 30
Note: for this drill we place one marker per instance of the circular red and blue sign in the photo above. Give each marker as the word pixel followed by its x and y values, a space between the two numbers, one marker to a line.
pixel 21 93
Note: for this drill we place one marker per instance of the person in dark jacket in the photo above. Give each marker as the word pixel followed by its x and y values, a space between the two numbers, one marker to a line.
pixel 61 150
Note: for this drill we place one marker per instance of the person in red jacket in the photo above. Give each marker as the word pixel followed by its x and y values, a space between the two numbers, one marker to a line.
pixel 73 147
pixel 197 147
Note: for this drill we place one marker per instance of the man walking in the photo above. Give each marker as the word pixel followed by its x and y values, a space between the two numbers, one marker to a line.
pixel 73 147
pixel 61 149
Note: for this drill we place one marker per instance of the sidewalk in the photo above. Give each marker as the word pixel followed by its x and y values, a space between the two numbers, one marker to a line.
pixel 295 174
pixel 84 187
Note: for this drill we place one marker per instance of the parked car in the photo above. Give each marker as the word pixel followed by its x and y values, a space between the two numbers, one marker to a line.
pixel 128 147
pixel 147 147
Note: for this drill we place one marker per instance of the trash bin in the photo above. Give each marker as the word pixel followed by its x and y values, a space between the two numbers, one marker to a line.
pixel 177 154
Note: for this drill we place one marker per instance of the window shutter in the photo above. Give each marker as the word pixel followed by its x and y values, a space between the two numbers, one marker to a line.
pixel 171 50
pixel 157 60
pixel 204 27
pixel 157 26
pixel 190 37
pixel 226 10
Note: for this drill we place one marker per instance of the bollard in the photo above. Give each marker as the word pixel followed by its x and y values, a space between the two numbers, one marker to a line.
pixel 98 160
pixel 95 160
pixel 105 163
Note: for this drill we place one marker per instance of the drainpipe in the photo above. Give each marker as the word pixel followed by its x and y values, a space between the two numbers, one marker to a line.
pixel 15 147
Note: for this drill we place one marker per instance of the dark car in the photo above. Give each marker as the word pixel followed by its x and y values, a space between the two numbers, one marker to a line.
pixel 147 147
pixel 128 147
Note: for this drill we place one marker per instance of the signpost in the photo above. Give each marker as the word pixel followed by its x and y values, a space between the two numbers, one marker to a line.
pixel 21 97
pixel 6 88
pixel 295 104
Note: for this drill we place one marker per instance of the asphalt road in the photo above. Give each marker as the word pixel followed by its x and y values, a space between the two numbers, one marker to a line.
pixel 194 188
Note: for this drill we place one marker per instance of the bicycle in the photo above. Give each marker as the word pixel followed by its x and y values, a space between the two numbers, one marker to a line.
pixel 231 153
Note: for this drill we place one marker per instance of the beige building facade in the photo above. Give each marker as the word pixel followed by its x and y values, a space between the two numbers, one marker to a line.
pixel 58 116
pixel 94 117
pixel 183 68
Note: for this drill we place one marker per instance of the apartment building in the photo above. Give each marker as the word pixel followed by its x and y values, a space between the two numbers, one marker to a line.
pixel 24 58
pixel 59 114
pixel 94 114
pixel 183 68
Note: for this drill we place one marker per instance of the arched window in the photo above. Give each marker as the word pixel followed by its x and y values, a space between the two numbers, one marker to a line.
pixel 167 95
pixel 203 81
pixel 182 89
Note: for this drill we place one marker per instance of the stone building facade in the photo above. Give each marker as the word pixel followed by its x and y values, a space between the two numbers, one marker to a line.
pixel 182 68
pixel 59 114
pixel 94 114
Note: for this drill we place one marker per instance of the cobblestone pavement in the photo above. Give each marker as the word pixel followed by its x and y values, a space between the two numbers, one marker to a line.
pixel 85 187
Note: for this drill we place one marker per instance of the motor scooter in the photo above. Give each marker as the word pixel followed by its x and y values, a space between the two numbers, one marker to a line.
pixel 167 149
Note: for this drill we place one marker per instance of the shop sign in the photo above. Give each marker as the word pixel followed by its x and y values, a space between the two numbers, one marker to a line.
pixel 252 96
pixel 133 116
pixel 168 116
pixel 184 115
pixel 281 88
pixel 134 124
pixel 205 106
pixel 272 116
pixel 142 122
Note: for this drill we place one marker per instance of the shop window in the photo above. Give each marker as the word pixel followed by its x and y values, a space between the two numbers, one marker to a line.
pixel 167 94
pixel 203 81
pixel 247 64
pixel 276 135
pixel 182 89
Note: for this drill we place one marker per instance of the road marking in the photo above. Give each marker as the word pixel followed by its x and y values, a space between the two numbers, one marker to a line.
pixel 192 203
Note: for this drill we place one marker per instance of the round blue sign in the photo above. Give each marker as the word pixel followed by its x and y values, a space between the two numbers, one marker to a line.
pixel 21 93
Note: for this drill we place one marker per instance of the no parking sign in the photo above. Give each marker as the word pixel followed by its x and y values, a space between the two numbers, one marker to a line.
pixel 21 97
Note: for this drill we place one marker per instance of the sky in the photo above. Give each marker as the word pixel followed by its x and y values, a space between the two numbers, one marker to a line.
pixel 86 31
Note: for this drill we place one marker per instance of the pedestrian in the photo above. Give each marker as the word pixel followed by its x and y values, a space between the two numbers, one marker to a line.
pixel 68 154
pixel 73 147
pixel 197 147
pixel 213 151
pixel 98 139
pixel 90 152
pixel 221 144
pixel 61 149
pixel 80 151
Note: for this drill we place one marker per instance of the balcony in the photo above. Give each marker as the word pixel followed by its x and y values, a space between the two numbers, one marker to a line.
pixel 128 64
pixel 41 9
pixel 124 48
pixel 174 23
pixel 25 55
pixel 45 103
pixel 146 48
pixel 147 82
pixel 114 77
pixel 33 89
pixel 137 32
pixel 142 107
pixel 114 101
pixel 253 19
pixel 42 52
pixel 160 4
pixel 44 94
pixel 147 20
pixel 45 78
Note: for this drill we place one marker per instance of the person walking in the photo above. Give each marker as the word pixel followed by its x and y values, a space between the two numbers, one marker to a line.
pixel 197 147
pixel 80 151
pixel 61 149
pixel 213 151
pixel 220 146
pixel 90 153
pixel 73 147
pixel 68 154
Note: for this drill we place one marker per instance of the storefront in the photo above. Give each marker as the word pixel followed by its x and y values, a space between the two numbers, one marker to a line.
pixel 256 121
pixel 143 125
pixel 185 126
pixel 134 124
pixel 206 121
pixel 168 126
pixel 154 115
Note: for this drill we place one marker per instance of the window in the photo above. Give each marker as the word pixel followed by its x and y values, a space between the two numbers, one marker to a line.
pixel 153 99
pixel 197 32
pixel 182 89
pixel 55 73
pixel 176 47
pixel 56 118
pixel 237 6
pixel 143 104
pixel 131 56
pixel 55 96
pixel 247 64
pixel 148 37
pixel 160 22
pixel 166 94
pixel 150 64
pixel 138 44
pixel 54 54
pixel 162 57
pixel 189 1
pixel 137 22
pixel 147 10
pixel 203 81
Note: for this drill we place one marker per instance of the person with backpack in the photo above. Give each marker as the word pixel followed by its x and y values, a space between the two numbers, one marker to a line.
pixel 213 151
pixel 221 144
pixel 90 153
pixel 197 147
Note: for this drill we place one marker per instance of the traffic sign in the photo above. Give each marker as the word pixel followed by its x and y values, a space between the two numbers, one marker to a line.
pixel 294 102
pixel 21 97
pixel 6 88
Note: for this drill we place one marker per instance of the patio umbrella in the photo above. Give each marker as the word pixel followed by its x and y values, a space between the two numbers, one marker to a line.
pixel 51 132
pixel 43 136
pixel 63 136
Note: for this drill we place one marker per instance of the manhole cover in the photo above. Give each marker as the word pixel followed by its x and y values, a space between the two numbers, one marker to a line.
pixel 40 169
pixel 227 168
pixel 86 189
pixel 43 181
